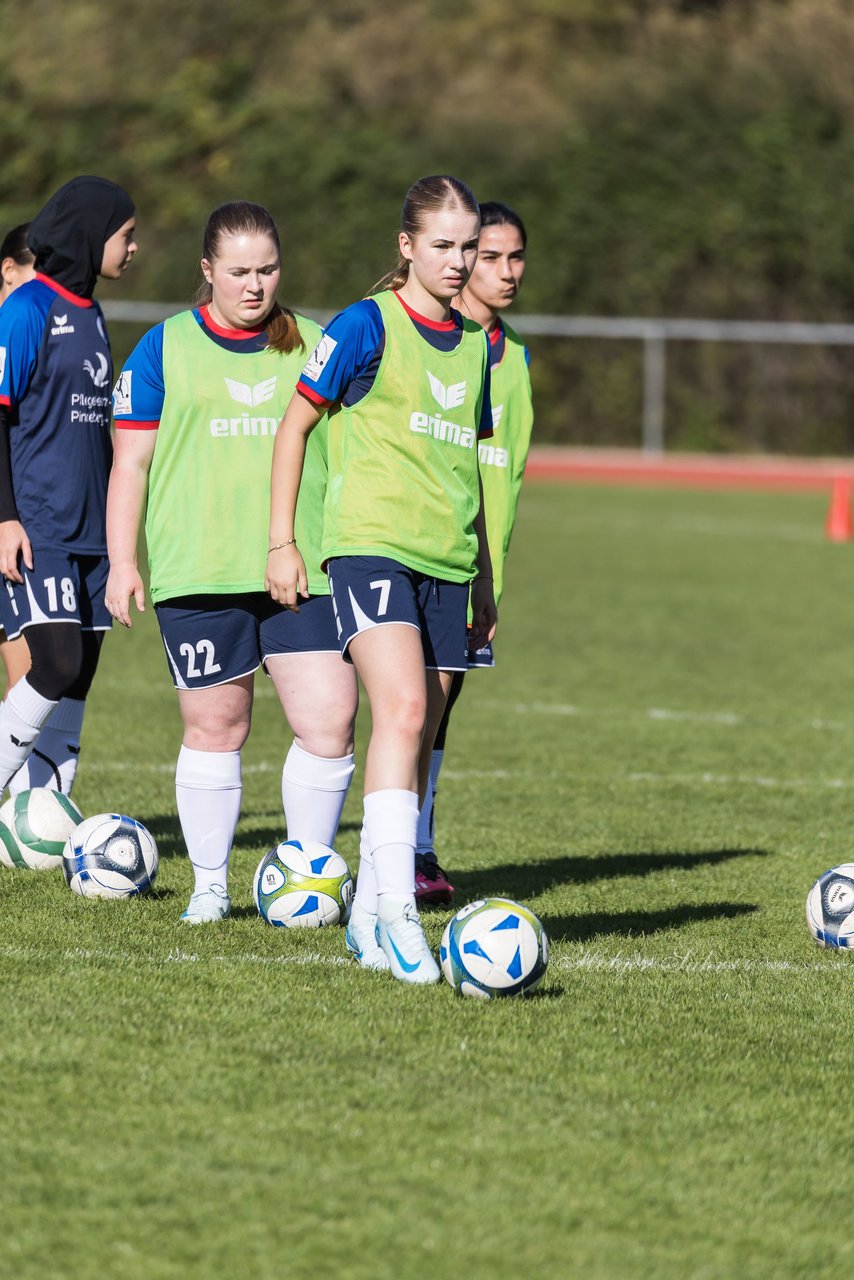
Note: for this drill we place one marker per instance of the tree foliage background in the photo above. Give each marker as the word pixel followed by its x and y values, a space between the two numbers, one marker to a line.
pixel 670 157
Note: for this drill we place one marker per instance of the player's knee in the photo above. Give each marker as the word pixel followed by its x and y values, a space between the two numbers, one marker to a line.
pixel 57 661
pixel 216 735
pixel 408 713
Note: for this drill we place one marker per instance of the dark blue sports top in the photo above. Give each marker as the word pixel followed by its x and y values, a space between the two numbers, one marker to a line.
pixel 56 374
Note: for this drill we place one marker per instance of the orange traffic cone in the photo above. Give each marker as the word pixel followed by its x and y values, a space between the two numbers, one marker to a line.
pixel 839 526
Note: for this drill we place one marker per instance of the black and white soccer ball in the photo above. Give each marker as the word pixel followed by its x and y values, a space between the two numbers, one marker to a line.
pixel 110 856
pixel 830 907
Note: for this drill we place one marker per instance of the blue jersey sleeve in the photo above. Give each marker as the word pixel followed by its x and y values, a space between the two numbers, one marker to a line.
pixel 140 391
pixel 346 349
pixel 486 424
pixel 22 323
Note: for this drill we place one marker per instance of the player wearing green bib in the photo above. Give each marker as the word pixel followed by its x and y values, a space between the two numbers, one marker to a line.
pixel 492 287
pixel 407 381
pixel 197 407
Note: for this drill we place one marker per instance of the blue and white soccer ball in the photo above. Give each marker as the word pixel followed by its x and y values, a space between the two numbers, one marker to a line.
pixel 110 856
pixel 494 947
pixel 303 884
pixel 34 826
pixel 830 907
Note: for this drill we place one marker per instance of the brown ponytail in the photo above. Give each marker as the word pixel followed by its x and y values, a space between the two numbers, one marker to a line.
pixel 425 196
pixel 241 217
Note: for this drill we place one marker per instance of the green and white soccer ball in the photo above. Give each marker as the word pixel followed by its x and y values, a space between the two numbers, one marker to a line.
pixel 303 884
pixel 494 947
pixel 34 826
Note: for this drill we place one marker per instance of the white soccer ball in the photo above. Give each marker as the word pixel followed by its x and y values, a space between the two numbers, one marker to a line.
pixel 34 826
pixel 494 947
pixel 303 884
pixel 830 907
pixel 110 856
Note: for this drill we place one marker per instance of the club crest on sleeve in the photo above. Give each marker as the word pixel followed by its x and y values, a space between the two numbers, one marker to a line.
pixel 122 393
pixel 319 357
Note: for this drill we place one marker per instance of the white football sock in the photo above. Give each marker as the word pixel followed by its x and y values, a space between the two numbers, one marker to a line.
pixel 314 789
pixel 366 880
pixel 391 820
pixel 424 841
pixel 21 717
pixel 208 788
pixel 53 760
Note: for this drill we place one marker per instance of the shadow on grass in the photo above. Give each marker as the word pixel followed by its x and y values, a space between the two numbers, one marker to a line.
pixel 526 879
pixel 637 924
pixel 166 830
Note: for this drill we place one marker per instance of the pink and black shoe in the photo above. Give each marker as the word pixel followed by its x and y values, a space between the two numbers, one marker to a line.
pixel 432 887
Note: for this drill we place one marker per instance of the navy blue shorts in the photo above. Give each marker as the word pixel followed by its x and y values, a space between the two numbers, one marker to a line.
pixel 214 639
pixel 312 630
pixel 484 657
pixel 60 587
pixel 369 591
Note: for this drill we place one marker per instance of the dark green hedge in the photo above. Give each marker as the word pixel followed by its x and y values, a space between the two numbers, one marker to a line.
pixel 670 158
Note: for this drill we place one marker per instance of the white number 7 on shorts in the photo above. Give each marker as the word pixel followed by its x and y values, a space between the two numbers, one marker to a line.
pixel 383 585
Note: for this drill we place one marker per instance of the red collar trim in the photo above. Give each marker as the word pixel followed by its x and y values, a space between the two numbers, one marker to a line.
pixel 64 293
pixel 495 335
pixel 444 325
pixel 211 324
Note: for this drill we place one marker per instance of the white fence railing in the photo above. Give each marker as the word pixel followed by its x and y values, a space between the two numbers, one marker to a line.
pixel 654 334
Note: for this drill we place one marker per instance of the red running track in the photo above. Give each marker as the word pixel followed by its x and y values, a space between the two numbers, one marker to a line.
pixel 685 470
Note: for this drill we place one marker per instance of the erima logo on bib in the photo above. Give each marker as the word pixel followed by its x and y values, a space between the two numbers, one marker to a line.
pixel 245 393
pixel 446 397
pixel 497 414
pixel 426 424
pixel 251 395
pixel 61 325
pixel 489 456
pixel 121 394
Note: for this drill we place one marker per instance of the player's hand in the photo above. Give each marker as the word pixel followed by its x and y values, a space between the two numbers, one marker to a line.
pixel 14 547
pixel 123 583
pixel 484 615
pixel 286 576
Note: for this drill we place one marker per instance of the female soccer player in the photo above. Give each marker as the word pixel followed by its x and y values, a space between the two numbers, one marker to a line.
pixel 55 455
pixel 403 535
pixel 197 406
pixel 493 286
pixel 16 268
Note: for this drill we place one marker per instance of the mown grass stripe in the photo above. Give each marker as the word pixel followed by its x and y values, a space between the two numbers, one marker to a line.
pixel 592 961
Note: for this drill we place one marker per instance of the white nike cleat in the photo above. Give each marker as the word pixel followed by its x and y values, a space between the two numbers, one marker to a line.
pixel 208 907
pixel 403 941
pixel 361 939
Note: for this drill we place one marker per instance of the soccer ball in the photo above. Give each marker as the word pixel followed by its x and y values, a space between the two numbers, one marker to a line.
pixel 34 826
pixel 494 947
pixel 830 907
pixel 303 884
pixel 110 856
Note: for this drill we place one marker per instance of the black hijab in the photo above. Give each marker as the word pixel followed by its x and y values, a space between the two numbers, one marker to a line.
pixel 68 235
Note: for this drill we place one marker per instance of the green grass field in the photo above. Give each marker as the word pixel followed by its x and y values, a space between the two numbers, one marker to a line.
pixel 660 767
